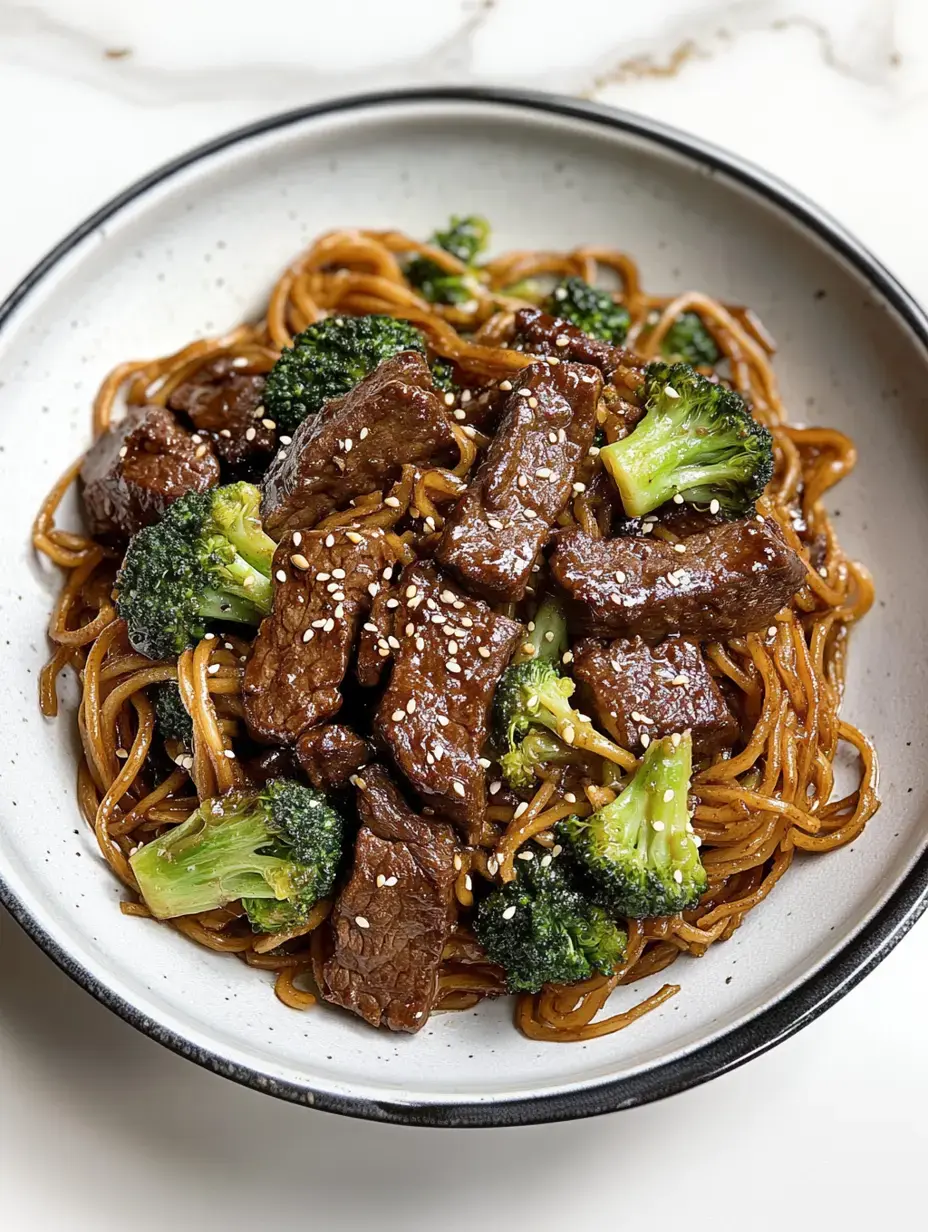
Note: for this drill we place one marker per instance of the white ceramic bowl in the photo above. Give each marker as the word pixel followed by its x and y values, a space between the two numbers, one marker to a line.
pixel 193 249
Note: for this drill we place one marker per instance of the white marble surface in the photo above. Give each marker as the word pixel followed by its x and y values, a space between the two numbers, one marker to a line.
pixel 100 1127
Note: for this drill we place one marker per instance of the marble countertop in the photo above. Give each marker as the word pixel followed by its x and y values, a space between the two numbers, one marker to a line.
pixel 832 95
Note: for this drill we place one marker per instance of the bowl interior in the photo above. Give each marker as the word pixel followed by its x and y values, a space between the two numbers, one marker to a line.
pixel 199 252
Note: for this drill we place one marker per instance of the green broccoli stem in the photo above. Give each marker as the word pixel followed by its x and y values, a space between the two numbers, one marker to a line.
pixel 248 584
pixel 649 466
pixel 551 708
pixel 547 640
pixel 208 861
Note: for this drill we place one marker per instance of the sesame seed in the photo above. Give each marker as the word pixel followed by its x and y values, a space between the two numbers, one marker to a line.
pixel 349 444
pixel 579 487
pixel 299 561
pixel 250 434
pixel 526 855
pixel 505 385
pixel 319 624
pixel 411 592
pixel 230 753
pixel 556 849
pixel 677 876
pixel 658 826
pixel 670 391
pixel 772 631
pixel 363 434
pixel 330 541
pixel 443 722
pixel 562 340
pixel 358 782
pixel 533 402
pixel 678 499
pixel 200 451
pixel 524 392
pixel 280 575
pixel 196 438
pixel 398 715
pixel 458 788
pixel 420 643
pixel 121 753
pixel 567 656
pixel 453 666
pixel 449 399
pixel 492 866
pixel 361 921
pixel 530 514
pixel 438 753
pixel 447 596
pixel 393 642
pixel 384 652
pixel 675 740
pixel 681 679
pixel 380 880
pixel 552 437
pixel 124 451
pixel 373 590
pixel 213 669
pixel 495 523
pixel 269 424
pixel 328 626
pixel 508 913
pixel 411 706
pixel 468 884
pixel 543 472
pixel 593 451
pixel 458 863
pixel 562 436
pixel 714 506
pixel 353 537
pixel 391 881
pixel 338 573
pixel 286 440
pixel 568 733
pixel 668 795
pixel 209 637
pixel 522 481
pixel 459 415
pixel 452 648
pixel 588 380
pixel 645 740
pixel 339 612
pixel 521 808
pixel 387 573
pixel 569 797
pixel 224 432
pixel 308 635
pixel 679 547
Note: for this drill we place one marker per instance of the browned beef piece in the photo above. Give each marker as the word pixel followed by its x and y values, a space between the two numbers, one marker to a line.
pixel 449 653
pixel 358 444
pixel 730 579
pixel 549 335
pixel 502 521
pixel 139 467
pixel 331 754
pixel 223 399
pixel 323 585
pixel 623 371
pixel 657 690
pixel 392 920
pixel 374 649
pixel 270 764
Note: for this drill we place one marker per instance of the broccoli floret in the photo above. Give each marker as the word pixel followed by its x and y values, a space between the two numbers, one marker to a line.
pixel 538 748
pixel 465 238
pixel 533 694
pixel 697 440
pixel 639 852
pixel 689 340
pixel 541 930
pixel 328 359
pixel 174 723
pixel 276 849
pixel 207 559
pixel 590 309
pixel 443 375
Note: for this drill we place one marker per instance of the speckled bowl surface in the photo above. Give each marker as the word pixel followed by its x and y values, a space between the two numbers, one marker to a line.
pixel 194 249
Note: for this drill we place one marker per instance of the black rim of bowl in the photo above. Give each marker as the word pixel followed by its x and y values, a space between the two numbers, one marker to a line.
pixel 788 1015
